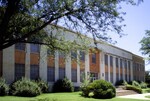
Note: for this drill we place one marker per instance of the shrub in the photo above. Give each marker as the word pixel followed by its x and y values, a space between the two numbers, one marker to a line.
pixel 134 88
pixel 136 84
pixel 143 85
pixel 125 83
pixel 63 85
pixel 103 89
pixel 26 88
pixel 4 89
pixel 43 85
pixel 119 82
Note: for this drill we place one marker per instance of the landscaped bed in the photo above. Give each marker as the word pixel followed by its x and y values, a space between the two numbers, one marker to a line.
pixel 75 96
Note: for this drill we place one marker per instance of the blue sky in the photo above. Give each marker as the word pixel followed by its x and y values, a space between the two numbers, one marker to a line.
pixel 137 20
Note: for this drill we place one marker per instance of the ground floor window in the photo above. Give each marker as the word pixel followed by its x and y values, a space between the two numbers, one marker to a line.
pixel 19 71
pixel 74 75
pixel 117 76
pixel 50 74
pixel 106 76
pixel 34 72
pixel 111 77
pixel 82 75
pixel 61 73
pixel 94 76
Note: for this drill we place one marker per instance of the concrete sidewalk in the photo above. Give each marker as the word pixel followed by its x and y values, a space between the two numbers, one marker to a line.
pixel 136 96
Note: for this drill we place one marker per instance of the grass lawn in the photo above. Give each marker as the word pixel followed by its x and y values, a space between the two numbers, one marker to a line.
pixel 60 97
pixel 147 90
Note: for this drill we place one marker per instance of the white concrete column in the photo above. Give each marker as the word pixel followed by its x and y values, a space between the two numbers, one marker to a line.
pixel 102 65
pixel 87 68
pixel 123 69
pixel 119 67
pixel 9 64
pixel 109 68
pixel 131 70
pixel 127 70
pixel 114 70
pixel 43 63
pixel 56 65
pixel 27 61
pixel 78 67
pixel 68 66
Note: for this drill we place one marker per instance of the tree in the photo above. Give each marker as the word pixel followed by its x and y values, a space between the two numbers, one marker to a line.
pixel 24 20
pixel 145 44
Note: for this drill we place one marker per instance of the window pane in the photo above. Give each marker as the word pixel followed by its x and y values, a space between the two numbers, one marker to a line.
pixel 19 71
pixel 82 56
pixel 94 58
pixel 82 75
pixel 117 62
pixel 34 72
pixel 111 61
pixel 106 59
pixel 20 46
pixel 35 48
pixel 50 74
pixel 73 55
pixel 61 73
pixel 74 75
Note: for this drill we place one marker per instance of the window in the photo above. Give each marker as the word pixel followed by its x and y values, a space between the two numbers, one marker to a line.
pixel 82 75
pixel 49 52
pixel 117 62
pixel 125 61
pixel 106 76
pixel 111 77
pixel 111 61
pixel 106 59
pixel 73 55
pixel 74 75
pixel 94 58
pixel 35 48
pixel 50 74
pixel 61 73
pixel 34 72
pixel 82 56
pixel 121 63
pixel 117 76
pixel 19 71
pixel 20 46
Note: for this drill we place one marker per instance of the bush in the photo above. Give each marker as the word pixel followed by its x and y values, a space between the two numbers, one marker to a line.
pixel 143 85
pixel 134 88
pixel 4 89
pixel 25 88
pixel 136 84
pixel 119 82
pixel 103 89
pixel 63 85
pixel 43 85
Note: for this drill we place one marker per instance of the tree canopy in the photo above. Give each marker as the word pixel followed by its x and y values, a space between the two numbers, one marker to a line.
pixel 145 44
pixel 22 20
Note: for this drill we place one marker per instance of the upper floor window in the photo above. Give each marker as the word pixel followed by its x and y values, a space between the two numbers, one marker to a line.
pixel 35 48
pixel 20 46
pixel 49 52
pixel 116 62
pixel 111 61
pixel 61 55
pixel 73 55
pixel 106 59
pixel 93 57
pixel 121 63
pixel 82 56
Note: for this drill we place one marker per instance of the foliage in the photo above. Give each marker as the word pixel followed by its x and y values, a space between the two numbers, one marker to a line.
pixel 119 82
pixel 43 85
pixel 143 85
pixel 125 83
pixel 145 44
pixel 134 88
pixel 136 84
pixel 4 88
pixel 22 20
pixel 103 89
pixel 63 85
pixel 26 88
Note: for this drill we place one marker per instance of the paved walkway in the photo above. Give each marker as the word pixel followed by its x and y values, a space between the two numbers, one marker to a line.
pixel 136 96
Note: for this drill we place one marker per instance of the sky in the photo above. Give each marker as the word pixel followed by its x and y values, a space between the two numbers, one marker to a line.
pixel 137 20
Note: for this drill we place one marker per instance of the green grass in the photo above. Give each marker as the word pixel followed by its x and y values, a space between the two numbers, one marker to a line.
pixel 60 97
pixel 147 96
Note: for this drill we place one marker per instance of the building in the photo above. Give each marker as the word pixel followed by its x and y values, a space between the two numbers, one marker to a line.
pixel 33 61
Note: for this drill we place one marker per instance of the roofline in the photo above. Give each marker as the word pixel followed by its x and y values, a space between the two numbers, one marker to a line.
pixel 98 41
